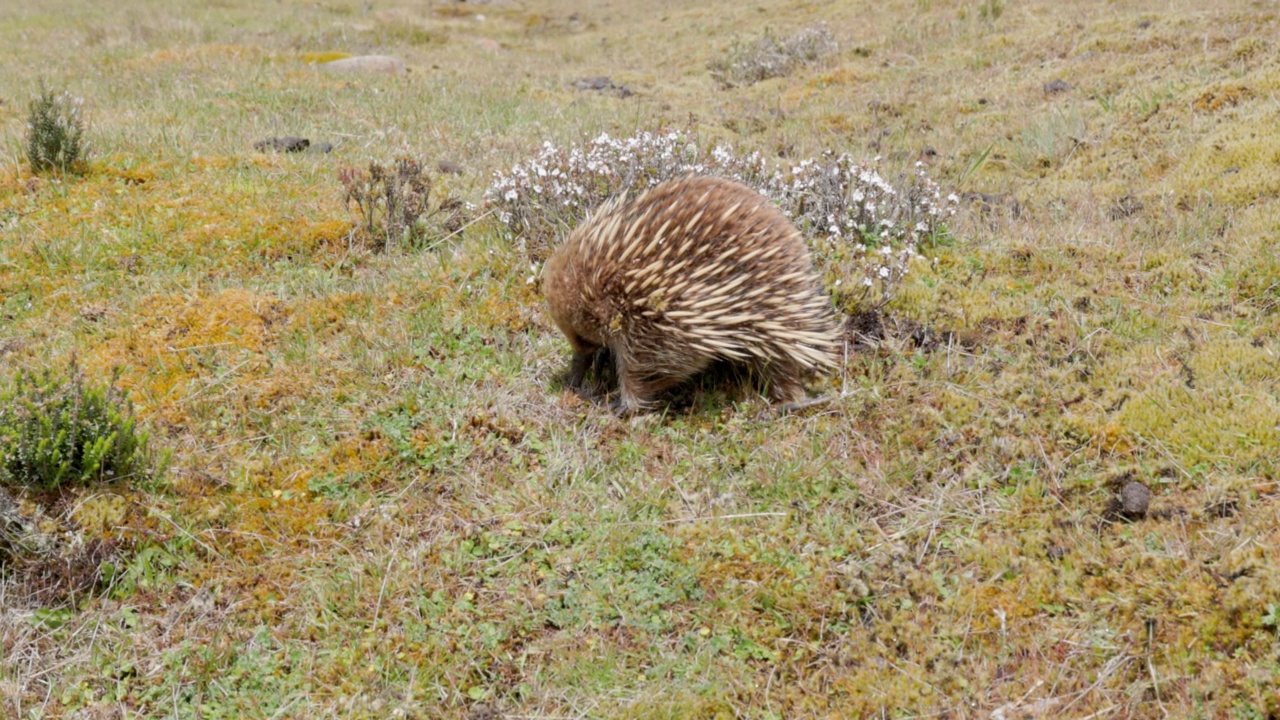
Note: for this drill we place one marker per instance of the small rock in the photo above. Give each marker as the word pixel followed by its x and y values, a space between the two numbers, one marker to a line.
pixel 1135 498
pixel 323 147
pixel 366 63
pixel 602 83
pixel 449 168
pixel 287 143
pixel 1055 86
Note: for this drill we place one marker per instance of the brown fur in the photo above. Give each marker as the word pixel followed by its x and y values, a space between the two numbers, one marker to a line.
pixel 693 271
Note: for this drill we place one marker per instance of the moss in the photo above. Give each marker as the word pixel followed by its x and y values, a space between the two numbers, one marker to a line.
pixel 319 58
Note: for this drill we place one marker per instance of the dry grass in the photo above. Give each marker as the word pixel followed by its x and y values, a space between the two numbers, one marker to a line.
pixel 382 503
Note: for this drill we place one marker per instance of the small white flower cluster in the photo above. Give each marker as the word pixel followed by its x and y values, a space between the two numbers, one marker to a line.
pixel 862 226
pixel 541 198
pixel 851 210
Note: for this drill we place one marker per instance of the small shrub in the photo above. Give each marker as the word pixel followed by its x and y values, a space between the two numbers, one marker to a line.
pixel 57 430
pixel 769 56
pixel 990 10
pixel 55 133
pixel 393 205
pixel 862 227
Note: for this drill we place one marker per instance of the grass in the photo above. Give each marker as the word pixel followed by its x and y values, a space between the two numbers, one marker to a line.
pixel 381 502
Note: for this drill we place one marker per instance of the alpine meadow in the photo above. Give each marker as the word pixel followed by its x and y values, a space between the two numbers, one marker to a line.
pixel 288 430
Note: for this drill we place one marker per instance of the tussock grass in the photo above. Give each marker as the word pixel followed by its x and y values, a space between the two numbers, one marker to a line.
pixel 382 503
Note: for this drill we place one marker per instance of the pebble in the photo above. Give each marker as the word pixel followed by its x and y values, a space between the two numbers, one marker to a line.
pixel 288 143
pixel 366 63
pixel 1057 85
pixel 603 82
pixel 1135 498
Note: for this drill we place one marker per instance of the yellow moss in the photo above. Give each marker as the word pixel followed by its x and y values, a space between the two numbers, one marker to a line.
pixel 100 514
pixel 838 123
pixel 171 341
pixel 1236 165
pixel 838 76
pixel 234 317
pixel 1226 96
pixel 319 58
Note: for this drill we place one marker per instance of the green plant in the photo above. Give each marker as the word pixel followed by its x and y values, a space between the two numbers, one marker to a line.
pixel 55 132
pixel 393 205
pixel 57 430
pixel 770 56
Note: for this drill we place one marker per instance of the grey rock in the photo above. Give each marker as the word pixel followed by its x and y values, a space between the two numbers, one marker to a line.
pixel 1135 499
pixel 603 83
pixel 1057 85
pixel 366 63
pixel 288 143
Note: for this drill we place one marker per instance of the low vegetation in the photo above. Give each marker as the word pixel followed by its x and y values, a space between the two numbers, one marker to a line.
pixel 769 56
pixel 55 137
pixel 58 430
pixel 865 228
pixel 394 207
pixel 1045 483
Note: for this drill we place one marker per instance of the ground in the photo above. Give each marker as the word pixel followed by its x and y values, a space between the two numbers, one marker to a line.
pixel 382 502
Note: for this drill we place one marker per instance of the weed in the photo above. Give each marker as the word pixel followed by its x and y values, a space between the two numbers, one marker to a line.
pixel 990 10
pixel 393 205
pixel 59 430
pixel 746 63
pixel 55 132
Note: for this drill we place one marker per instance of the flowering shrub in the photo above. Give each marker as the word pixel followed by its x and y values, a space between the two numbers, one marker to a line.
pixel 862 228
pixel 770 56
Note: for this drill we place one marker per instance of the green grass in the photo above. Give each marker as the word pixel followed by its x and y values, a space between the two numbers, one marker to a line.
pixel 381 501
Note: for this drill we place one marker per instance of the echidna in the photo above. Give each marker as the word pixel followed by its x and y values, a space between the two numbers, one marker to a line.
pixel 693 271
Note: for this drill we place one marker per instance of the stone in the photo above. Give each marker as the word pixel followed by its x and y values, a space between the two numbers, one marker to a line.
pixel 1135 499
pixel 603 83
pixel 1057 85
pixel 288 143
pixel 366 63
